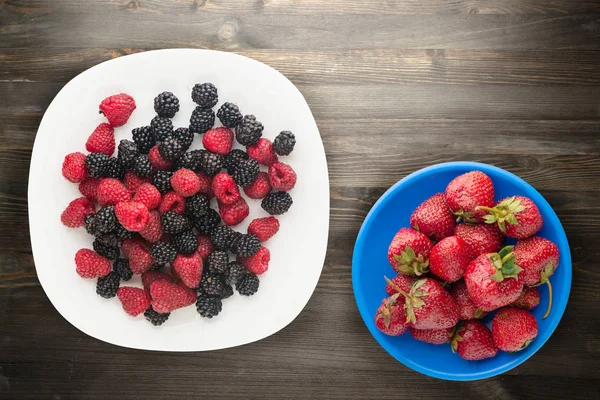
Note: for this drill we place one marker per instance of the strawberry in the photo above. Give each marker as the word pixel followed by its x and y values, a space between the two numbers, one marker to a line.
pixel 189 269
pixel 117 108
pixel 218 140
pixel 465 193
pixel 409 252
pixel 90 264
pixel 473 341
pixel 134 300
pixel 513 329
pixel 102 140
pixel 404 282
pixel 390 317
pixel 433 218
pixel 529 298
pixel 433 336
pixel 450 258
pixel 518 217
pixel 483 239
pixel 466 308
pixel 167 296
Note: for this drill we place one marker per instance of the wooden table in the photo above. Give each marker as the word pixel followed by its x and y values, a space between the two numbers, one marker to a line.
pixel 394 86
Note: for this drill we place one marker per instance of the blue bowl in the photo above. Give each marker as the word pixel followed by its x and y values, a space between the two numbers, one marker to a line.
pixel 370 264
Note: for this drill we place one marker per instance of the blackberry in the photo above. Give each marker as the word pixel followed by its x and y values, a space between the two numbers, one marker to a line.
pixel 248 131
pixel 106 220
pixel 157 267
pixel 248 245
pixel 121 267
pixel 115 169
pixel 246 172
pixel 184 137
pixel 110 240
pixel 142 166
pixel 221 237
pixel 89 222
pixel 229 114
pixel 235 237
pixel 197 205
pixel 233 158
pixel 206 223
pixel 217 261
pixel 162 128
pixel 211 163
pixel 106 251
pixel 208 306
pixel 122 233
pixel 108 285
pixel 127 152
pixel 162 181
pixel 174 223
pixel 248 284
pixel 227 291
pixel 163 253
pixel 96 164
pixel 212 284
pixel 156 318
pixel 166 105
pixel 189 160
pixel 185 242
pixel 277 203
pixel 170 149
pixel 284 143
pixel 205 95
pixel 202 120
pixel 235 272
pixel 144 138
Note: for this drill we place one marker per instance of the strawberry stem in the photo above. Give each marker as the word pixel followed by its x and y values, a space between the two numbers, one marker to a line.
pixel 549 298
pixel 392 284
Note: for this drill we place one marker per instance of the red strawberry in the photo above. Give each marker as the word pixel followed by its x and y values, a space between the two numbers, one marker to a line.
pixel 89 187
pixel 112 191
pixel 264 228
pixel 153 230
pixel 157 161
pixel 529 298
pixel 233 214
pixel 409 252
pixel 468 191
pixel 483 239
pixel 466 308
pixel 492 280
pixel 473 341
pixel 134 300
pixel 117 108
pixel 189 269
pixel 172 201
pixel 73 167
pixel 205 185
pixel 225 188
pixel 450 258
pixel 150 277
pixel 433 218
pixel 433 336
pixel 205 246
pixel 262 151
pixel 282 177
pixel 133 182
pixel 218 140
pixel 138 254
pixel 132 215
pixel 518 217
pixel 513 329
pixel 185 182
pixel 258 263
pixel 390 317
pixel 90 264
pixel 148 195
pixel 168 297
pixel 259 188
pixel 404 282
pixel 102 140
pixel 76 211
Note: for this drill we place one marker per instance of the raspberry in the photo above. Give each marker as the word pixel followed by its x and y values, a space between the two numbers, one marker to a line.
pixel 206 223
pixel 89 187
pixel 121 267
pixel 185 242
pixel 197 205
pixel 246 172
pixel 127 152
pixel 247 245
pixel 174 223
pixel 284 143
pixel 189 160
pixel 117 108
pixel 161 127
pixel 264 228
pixel 208 306
pixel 258 263
pixel 134 300
pixel 156 318
pixel 142 166
pixel 74 215
pixel 112 191
pixel 225 189
pixel 233 214
pixel 217 261
pixel 162 181
pixel 90 264
pixel 73 168
pixel 248 131
pixel 205 95
pixel 148 278
pixel 248 285
pixel 260 188
pixel 277 203
pixel 138 255
pixel 163 253
pixel 218 140
pixel 148 195
pixel 114 169
pixel 166 104
pixel 229 114
pixel 167 297
pixel 201 120
pixel 108 285
pixel 170 149
pixel 172 201
pixel 185 182
pixel 205 246
pixel 153 231
pixel 262 151
pixel 157 161
pixel 102 140
pixel 189 269
pixel 132 215
pixel 282 177
pixel 184 136
pixel 233 158
pixel 211 163
pixel 205 185
pixel 132 181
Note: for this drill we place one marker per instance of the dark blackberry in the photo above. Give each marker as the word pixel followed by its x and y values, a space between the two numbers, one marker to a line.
pixel 96 164
pixel 235 237
pixel 189 160
pixel 163 253
pixel 211 163
pixel 202 120
pixel 248 284
pixel 206 223
pixel 284 143
pixel 106 220
pixel 156 318
pixel 227 291
pixel 170 149
pixel 112 253
pixel 217 261
pixel 248 131
pixel 110 240
pixel 248 245
pixel 197 205
pixel 185 242
pixel 166 105
pixel 157 267
pixel 161 127
pixel 142 166
pixel 205 95
pixel 162 181
pixel 122 233
pixel 235 271
pixel 233 158
pixel 144 138
pixel 108 285
pixel 229 114
pixel 127 152
pixel 212 284
pixel 121 267
pixel 246 172
pixel 115 169
pixel 277 203
pixel 221 237
pixel 89 222
pixel 208 306
pixel 174 223
pixel 184 137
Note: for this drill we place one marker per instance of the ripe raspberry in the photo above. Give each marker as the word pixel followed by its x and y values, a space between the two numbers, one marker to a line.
pixel 189 269
pixel 117 108
pixel 260 187
pixel 233 214
pixel 218 140
pixel 282 177
pixel 138 255
pixel 102 140
pixel 132 181
pixel 132 215
pixel 75 213
pixel 262 151
pixel 157 161
pixel 205 246
pixel 149 277
pixel 258 263
pixel 225 189
pixel 112 191
pixel 264 228
pixel 73 168
pixel 172 201
pixel 134 300
pixel 205 185
pixel 90 264
pixel 148 195
pixel 153 231
pixel 167 296
pixel 185 182
pixel 89 187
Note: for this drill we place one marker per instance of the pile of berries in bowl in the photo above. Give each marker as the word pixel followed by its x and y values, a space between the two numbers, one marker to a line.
pixel 150 207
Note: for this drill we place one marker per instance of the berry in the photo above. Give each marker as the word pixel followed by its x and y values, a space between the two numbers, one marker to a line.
pixel 185 242
pixel 149 277
pixel 161 127
pixel 283 178
pixel 122 233
pixel 483 239
pixel 138 255
pixel 518 217
pixel 162 181
pixel 247 245
pixel 264 228
pixel 90 264
pixel 390 318
pixel 205 246
pixel 247 285
pixel 121 267
pixel 189 160
pixel 218 140
pixel 234 156
pixel 227 291
pixel 260 188
pixel 96 164
pixel 156 318
pixel 473 341
pixel 157 267
pixel 225 189
pixel 277 203
pixel 257 263
pixel 248 131
pixel 112 191
pixel 528 299
pixel 184 136
pixel 466 308
pixel 217 261
pixel 208 306
pixel 246 172
pixel 172 201
pixel 132 215
pixel 284 143
pixel 74 167
pixel 153 231
pixel 144 138
pixel 432 336
pixel 212 284
pixel 206 223
pixel 132 181
pixel 166 105
pixel 449 258
pixel 174 223
pixel 401 281
pixel 513 329
pixel 127 152
pixel 201 120
pixel 188 268
pixel 108 285
pixel 74 215
pixel 262 151
pixel 205 185
pixel 205 95
pixel 102 140
pixel 221 237
pixel 185 182
pixel 234 272
pixel 134 300
pixel 117 108
pixel 170 149
pixel 163 253
pixel 148 195
pixel 115 169
pixel 197 205
pixel 142 166
pixel 106 251
pixel 433 218
pixel 211 163
pixel 105 220
pixel 229 114
pixel 233 214
pixel 110 240
pixel 466 192
pixel 157 161
pixel 89 187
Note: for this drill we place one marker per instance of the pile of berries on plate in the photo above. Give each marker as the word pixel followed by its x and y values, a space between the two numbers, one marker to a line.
pixel 149 207
pixel 449 272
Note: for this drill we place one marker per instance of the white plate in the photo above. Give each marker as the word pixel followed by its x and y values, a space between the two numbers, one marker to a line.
pixel 297 251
